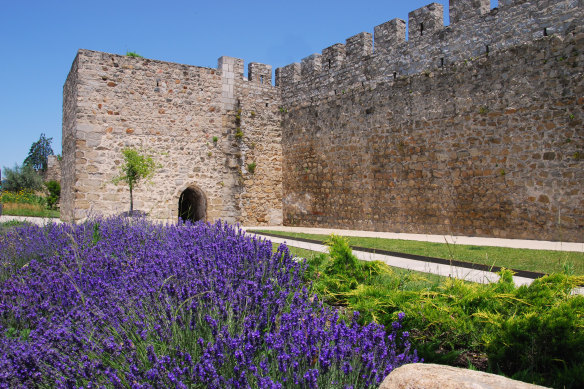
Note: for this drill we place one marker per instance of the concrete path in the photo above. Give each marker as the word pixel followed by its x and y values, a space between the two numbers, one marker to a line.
pixel 35 220
pixel 452 239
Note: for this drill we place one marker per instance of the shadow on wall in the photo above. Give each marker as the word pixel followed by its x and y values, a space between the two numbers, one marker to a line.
pixel 192 205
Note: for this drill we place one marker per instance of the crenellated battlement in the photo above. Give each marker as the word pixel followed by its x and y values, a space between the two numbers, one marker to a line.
pixel 474 128
pixel 475 30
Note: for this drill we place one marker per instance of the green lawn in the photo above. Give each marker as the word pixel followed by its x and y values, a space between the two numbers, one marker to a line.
pixel 19 211
pixel 543 261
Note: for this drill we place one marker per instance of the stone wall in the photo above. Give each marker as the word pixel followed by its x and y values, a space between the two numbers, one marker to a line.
pixel 485 143
pixel 474 128
pixel 53 172
pixel 178 115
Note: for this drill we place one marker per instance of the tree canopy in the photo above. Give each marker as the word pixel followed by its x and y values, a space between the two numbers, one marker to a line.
pixel 39 152
pixel 136 168
pixel 21 178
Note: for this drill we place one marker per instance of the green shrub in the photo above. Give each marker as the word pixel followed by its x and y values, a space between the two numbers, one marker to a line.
pixel 344 272
pixel 22 178
pixel 544 346
pixel 54 189
pixel 533 333
pixel 133 54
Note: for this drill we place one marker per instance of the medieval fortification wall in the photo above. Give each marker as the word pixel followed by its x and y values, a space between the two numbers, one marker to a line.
pixel 474 128
pixel 204 126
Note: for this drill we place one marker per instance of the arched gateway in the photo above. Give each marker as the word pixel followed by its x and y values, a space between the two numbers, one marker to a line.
pixel 192 205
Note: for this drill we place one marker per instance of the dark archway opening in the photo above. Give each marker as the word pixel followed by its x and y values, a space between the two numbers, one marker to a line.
pixel 192 205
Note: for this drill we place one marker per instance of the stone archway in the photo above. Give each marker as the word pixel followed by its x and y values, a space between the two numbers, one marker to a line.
pixel 192 205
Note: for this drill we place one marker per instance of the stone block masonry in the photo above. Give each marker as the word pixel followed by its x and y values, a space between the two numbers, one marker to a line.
pixel 474 128
pixel 204 126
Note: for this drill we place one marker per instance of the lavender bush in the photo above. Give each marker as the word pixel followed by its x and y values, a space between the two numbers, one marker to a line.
pixel 127 304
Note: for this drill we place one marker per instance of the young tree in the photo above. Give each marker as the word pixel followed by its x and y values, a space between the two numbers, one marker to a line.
pixel 136 167
pixel 38 154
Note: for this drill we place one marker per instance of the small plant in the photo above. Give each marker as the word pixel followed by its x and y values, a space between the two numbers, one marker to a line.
pixel 484 110
pixel 502 172
pixel 136 167
pixel 252 113
pixel 54 189
pixel 238 133
pixel 571 116
pixel 578 155
pixel 251 167
pixel 215 139
pixel 283 110
pixel 209 154
pixel 133 54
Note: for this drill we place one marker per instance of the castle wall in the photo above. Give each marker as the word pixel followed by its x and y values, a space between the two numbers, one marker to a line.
pixel 475 128
pixel 479 143
pixel 174 113
pixel 53 172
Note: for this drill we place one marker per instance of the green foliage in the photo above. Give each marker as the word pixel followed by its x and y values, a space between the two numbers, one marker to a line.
pixel 238 133
pixel 251 167
pixel 22 178
pixel 54 188
pixel 533 333
pixel 545 345
pixel 542 261
pixel 343 272
pixel 22 197
pixel 215 139
pixel 39 153
pixel 136 168
pixel 133 54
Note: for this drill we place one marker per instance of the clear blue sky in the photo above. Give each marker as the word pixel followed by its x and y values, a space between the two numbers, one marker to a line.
pixel 39 40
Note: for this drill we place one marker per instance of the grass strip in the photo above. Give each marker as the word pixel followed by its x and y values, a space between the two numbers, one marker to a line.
pixel 31 210
pixel 540 261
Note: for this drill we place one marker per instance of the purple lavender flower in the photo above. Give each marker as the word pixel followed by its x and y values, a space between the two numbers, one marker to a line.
pixel 127 303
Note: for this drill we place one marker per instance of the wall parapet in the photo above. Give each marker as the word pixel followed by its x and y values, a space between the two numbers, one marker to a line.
pixel 475 30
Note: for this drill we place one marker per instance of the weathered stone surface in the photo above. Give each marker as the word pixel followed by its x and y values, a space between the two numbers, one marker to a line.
pixel 471 129
pixel 431 376
pixel 475 128
pixel 204 126
pixel 53 172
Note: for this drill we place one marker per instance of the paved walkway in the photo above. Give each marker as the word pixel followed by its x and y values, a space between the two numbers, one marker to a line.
pixel 36 220
pixel 452 239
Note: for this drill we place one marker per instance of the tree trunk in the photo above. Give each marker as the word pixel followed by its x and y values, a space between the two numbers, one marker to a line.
pixel 131 202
